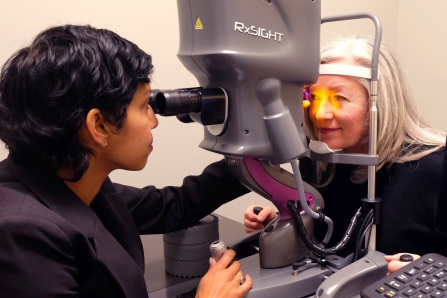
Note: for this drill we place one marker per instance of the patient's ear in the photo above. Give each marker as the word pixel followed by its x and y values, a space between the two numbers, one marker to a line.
pixel 97 128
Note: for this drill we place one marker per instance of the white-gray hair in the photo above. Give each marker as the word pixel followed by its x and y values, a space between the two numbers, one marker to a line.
pixel 403 135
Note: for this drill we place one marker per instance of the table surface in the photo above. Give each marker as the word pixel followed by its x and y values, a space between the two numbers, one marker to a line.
pixel 155 274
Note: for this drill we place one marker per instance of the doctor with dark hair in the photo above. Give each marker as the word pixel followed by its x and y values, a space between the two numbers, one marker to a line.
pixel 74 108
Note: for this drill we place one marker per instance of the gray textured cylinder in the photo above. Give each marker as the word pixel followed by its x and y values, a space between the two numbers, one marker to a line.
pixel 187 251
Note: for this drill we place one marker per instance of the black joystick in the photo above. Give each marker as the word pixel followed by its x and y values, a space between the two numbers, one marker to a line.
pixel 406 258
pixel 257 209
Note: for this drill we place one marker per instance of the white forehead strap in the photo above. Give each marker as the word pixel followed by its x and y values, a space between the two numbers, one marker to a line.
pixel 345 70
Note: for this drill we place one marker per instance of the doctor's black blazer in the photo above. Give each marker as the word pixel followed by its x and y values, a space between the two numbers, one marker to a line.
pixel 53 245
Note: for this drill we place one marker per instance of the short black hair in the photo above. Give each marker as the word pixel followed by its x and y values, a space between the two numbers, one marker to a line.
pixel 48 88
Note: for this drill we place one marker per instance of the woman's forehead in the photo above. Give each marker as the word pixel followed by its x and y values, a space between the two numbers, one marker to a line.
pixel 334 82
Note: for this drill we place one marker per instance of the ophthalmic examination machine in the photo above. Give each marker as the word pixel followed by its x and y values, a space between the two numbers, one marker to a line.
pixel 252 59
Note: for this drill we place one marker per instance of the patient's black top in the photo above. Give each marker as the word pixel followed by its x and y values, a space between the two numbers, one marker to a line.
pixel 409 193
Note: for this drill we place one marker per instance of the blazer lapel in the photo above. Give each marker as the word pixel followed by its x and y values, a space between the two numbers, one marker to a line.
pixel 116 218
pixel 119 263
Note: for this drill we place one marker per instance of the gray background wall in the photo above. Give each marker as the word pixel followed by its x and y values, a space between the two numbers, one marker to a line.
pixel 414 28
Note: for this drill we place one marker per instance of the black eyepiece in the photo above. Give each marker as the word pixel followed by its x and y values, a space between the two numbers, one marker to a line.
pixel 210 103
pixel 175 102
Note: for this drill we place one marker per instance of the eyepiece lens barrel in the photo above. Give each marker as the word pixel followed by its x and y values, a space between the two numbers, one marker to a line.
pixel 176 102
pixel 207 106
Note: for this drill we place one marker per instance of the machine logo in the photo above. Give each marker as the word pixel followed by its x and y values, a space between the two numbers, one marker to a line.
pixel 258 31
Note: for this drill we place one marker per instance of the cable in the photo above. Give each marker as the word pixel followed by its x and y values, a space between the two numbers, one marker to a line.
pixel 363 229
pixel 319 251
pixel 303 202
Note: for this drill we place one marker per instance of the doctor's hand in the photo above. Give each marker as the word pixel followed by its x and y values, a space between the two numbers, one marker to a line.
pixel 224 279
pixel 254 222
pixel 395 262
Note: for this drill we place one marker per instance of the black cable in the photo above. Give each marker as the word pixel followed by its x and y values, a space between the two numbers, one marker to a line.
pixel 367 220
pixel 320 251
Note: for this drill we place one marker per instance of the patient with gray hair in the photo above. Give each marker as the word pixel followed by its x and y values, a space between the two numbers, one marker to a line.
pixel 408 174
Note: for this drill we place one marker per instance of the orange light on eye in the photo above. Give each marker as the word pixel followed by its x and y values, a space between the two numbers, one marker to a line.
pixel 322 95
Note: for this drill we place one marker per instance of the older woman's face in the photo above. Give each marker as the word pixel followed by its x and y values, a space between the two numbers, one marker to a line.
pixel 339 112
